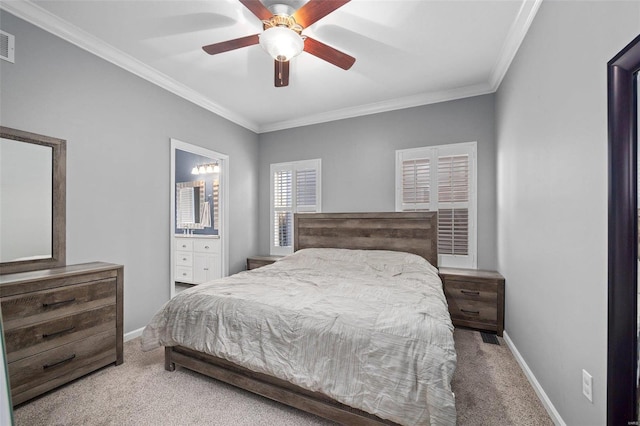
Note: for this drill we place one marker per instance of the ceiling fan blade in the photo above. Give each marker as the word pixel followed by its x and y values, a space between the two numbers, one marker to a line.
pixel 315 10
pixel 237 43
pixel 328 53
pixel 281 73
pixel 258 9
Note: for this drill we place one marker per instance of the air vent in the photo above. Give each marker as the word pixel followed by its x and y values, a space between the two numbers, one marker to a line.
pixel 7 46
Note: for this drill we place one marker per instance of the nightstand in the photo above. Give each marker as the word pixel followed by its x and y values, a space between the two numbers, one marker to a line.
pixel 475 298
pixel 254 262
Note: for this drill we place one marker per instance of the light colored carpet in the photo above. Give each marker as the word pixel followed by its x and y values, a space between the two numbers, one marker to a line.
pixel 490 389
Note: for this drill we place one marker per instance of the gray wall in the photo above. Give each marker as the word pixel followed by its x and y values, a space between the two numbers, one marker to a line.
pixel 551 135
pixel 358 159
pixel 118 129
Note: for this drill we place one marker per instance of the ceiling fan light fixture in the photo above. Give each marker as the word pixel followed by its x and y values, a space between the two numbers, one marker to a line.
pixel 281 43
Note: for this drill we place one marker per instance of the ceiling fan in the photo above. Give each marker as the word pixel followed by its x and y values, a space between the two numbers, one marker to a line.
pixel 282 36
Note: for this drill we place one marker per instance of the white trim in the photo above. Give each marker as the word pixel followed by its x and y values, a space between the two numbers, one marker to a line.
pixel 514 39
pixel 44 19
pixel 49 22
pixel 133 334
pixel 548 405
pixel 378 107
pixel 224 201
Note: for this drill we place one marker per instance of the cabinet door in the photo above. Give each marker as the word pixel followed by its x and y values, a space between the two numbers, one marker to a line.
pixel 206 267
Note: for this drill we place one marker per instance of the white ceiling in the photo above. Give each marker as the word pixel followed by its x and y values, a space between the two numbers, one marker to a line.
pixel 408 53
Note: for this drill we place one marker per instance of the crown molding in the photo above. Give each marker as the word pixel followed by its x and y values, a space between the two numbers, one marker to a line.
pixel 34 14
pixel 515 37
pixel 384 106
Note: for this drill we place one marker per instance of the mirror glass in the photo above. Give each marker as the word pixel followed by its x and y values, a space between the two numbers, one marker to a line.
pixel 197 194
pixel 26 216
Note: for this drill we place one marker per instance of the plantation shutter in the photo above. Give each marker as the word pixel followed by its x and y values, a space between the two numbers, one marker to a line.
pixel 453 205
pixel 186 213
pixel 306 180
pixel 283 207
pixel 295 189
pixel 416 177
pixel 442 178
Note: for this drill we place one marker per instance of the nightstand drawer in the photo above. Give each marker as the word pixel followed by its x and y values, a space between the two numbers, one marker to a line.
pixel 259 261
pixel 473 310
pixel 464 290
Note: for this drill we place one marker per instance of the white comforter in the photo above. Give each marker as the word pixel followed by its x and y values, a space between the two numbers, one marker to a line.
pixel 370 329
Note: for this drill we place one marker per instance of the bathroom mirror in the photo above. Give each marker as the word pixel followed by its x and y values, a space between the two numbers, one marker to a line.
pixel 32 201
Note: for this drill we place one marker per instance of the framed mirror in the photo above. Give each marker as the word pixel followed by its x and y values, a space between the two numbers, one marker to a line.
pixel 32 201
pixel 623 320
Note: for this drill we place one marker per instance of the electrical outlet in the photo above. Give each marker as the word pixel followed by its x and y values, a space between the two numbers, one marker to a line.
pixel 587 385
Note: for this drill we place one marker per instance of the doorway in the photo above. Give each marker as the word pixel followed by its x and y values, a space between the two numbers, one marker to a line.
pixel 199 212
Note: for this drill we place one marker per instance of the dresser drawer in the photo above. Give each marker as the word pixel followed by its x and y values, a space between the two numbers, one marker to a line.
pixel 184 244
pixel 42 305
pixel 184 273
pixel 28 340
pixel 49 369
pixel 184 258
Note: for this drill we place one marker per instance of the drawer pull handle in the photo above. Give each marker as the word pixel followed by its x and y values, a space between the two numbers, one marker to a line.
pixel 475 293
pixel 470 312
pixel 206 247
pixel 184 258
pixel 57 333
pixel 55 364
pixel 48 305
pixel 184 274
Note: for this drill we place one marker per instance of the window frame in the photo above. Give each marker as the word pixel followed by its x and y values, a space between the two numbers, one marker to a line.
pixel 433 153
pixel 293 166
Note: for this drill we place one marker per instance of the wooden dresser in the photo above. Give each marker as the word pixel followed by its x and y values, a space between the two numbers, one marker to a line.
pixel 475 298
pixel 60 324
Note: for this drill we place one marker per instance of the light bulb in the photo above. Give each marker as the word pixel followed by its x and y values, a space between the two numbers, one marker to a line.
pixel 194 171
pixel 216 169
pixel 202 170
pixel 209 168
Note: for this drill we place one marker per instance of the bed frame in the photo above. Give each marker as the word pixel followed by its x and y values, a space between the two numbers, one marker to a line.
pixel 413 232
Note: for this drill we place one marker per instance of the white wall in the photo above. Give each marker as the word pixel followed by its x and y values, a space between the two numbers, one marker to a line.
pixel 118 129
pixel 551 134
pixel 358 159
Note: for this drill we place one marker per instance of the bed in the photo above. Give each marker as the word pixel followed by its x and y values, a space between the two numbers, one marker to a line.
pixel 352 327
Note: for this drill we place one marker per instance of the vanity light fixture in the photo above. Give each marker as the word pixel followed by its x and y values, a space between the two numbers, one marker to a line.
pixel 203 169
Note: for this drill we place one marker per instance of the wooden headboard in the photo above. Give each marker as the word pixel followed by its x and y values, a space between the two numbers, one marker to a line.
pixel 412 232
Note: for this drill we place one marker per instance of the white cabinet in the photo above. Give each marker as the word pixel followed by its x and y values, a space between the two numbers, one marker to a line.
pixel 197 259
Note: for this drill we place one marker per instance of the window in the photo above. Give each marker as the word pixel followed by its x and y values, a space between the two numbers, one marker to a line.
pixel 443 179
pixel 295 188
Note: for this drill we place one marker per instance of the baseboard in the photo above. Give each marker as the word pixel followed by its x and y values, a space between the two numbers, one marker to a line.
pixel 133 334
pixel 548 405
